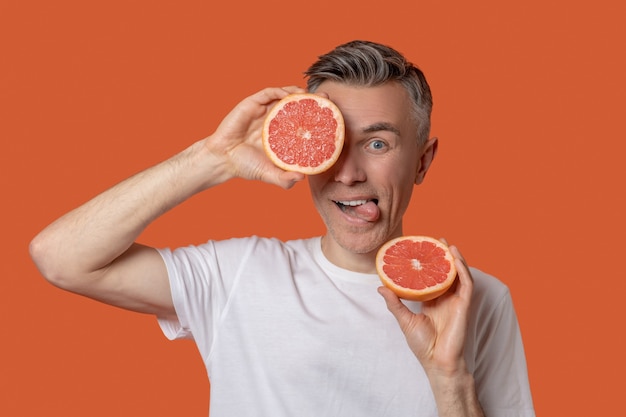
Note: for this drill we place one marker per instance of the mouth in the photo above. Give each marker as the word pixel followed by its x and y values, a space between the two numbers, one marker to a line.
pixel 344 205
pixel 364 209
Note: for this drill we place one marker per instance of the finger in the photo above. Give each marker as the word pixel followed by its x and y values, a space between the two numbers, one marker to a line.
pixel 267 95
pixel 464 276
pixel 287 179
pixel 271 174
pixel 417 328
pixel 395 306
pixel 459 260
pixel 325 95
pixel 293 89
pixel 457 253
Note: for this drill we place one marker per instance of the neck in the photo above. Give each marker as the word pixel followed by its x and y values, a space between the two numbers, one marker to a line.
pixel 347 259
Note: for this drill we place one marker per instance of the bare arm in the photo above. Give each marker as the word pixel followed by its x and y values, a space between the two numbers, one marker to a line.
pixel 92 250
pixel 437 336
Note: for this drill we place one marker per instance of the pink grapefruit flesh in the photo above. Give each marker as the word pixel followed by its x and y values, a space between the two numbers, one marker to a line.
pixel 417 268
pixel 304 133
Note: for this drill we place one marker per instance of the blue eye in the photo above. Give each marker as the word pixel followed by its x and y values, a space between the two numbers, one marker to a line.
pixel 377 145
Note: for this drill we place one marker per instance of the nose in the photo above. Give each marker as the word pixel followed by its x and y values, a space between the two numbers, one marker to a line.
pixel 348 169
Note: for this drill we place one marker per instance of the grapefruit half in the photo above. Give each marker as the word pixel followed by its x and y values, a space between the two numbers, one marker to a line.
pixel 417 268
pixel 304 133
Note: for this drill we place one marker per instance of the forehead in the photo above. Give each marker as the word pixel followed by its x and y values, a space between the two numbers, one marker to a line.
pixel 363 107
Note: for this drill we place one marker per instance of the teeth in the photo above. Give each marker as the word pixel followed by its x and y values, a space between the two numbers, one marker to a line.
pixel 352 203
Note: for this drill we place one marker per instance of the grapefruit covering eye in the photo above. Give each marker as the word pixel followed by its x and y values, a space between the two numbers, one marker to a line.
pixel 417 268
pixel 304 133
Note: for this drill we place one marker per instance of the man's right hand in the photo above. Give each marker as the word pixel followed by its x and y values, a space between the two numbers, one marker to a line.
pixel 238 139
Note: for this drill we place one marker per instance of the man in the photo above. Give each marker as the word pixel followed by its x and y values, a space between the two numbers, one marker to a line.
pixel 299 328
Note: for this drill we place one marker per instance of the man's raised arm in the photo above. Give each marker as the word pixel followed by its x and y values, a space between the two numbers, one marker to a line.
pixel 92 251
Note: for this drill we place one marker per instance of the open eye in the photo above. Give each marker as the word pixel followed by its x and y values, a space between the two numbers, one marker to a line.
pixel 377 145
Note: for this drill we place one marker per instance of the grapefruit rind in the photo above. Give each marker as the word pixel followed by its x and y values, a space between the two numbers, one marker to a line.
pixel 338 142
pixel 425 294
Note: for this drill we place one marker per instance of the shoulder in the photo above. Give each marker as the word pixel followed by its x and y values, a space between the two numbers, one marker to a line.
pixel 240 247
pixel 245 249
pixel 259 245
pixel 489 292
pixel 485 283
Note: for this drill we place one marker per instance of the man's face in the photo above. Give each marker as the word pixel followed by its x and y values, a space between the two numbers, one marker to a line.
pixel 363 197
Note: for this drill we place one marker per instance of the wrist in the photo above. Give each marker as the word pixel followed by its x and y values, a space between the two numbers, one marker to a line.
pixel 455 393
pixel 205 168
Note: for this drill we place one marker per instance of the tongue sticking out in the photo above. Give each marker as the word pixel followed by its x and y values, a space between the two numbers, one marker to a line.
pixel 368 211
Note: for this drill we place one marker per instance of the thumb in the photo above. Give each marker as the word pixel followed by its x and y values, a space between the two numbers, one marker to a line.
pixel 287 179
pixel 416 327
pixel 271 174
pixel 395 306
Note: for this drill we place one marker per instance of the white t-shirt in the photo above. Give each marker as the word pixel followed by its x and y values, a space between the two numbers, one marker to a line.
pixel 284 332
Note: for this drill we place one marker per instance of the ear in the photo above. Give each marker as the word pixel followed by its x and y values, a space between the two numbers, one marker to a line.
pixel 429 151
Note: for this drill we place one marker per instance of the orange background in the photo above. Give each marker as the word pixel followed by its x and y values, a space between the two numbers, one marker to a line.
pixel 529 181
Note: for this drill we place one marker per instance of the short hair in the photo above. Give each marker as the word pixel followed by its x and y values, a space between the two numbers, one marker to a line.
pixel 369 64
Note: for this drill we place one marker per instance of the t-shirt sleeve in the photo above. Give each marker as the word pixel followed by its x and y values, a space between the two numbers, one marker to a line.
pixel 174 327
pixel 201 280
pixel 500 367
pixel 199 289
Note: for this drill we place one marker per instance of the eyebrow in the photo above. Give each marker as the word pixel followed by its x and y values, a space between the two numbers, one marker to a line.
pixel 377 127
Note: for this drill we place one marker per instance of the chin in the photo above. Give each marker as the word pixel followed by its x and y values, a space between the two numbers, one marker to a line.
pixel 361 242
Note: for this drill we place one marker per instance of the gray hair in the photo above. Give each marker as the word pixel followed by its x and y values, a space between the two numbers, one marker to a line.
pixel 370 64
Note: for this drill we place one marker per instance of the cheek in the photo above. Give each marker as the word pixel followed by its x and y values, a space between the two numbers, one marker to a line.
pixel 316 184
pixel 402 189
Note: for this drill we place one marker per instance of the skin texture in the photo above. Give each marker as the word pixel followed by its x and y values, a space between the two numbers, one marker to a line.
pixel 380 138
pixel 436 336
pixel 92 250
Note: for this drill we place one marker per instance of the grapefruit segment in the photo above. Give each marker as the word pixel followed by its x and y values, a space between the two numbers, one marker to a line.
pixel 304 133
pixel 417 268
